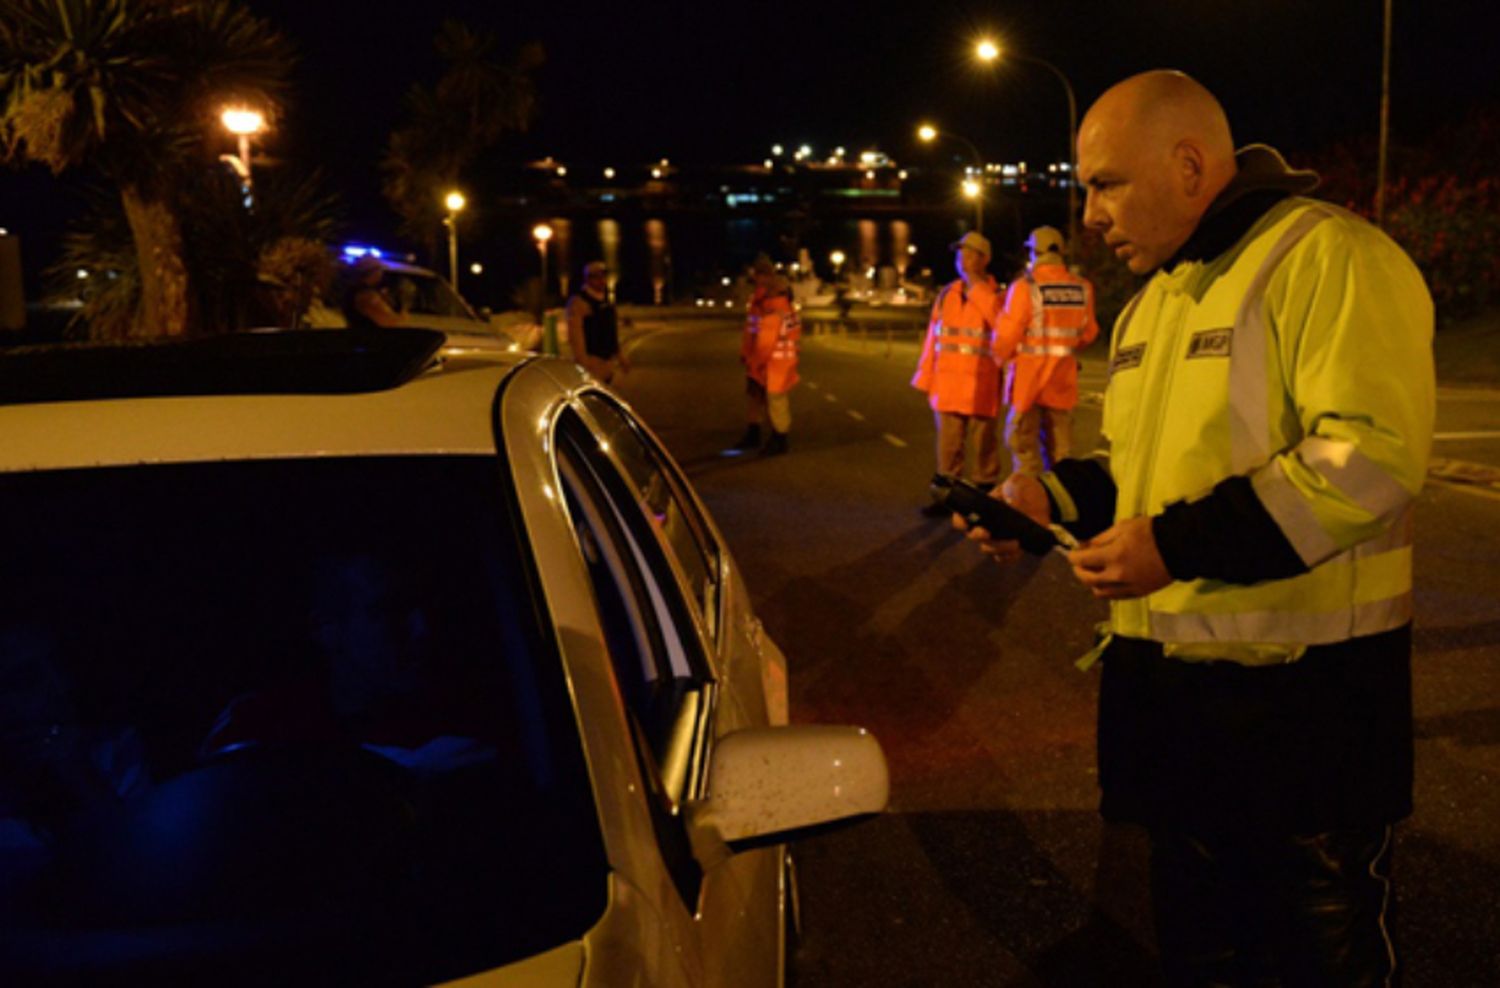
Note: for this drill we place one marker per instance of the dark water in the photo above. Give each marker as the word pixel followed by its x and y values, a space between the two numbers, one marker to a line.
pixel 687 253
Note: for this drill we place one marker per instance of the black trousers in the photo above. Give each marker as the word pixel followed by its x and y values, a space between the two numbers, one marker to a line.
pixel 1290 912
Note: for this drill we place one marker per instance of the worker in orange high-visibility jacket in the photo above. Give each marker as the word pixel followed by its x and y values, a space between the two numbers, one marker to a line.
pixel 958 371
pixel 1048 314
pixel 768 349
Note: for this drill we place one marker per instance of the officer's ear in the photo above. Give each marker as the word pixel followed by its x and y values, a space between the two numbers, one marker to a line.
pixel 1189 168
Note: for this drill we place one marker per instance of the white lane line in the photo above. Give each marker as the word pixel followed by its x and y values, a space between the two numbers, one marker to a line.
pixel 855 415
pixel 830 397
pixel 1466 435
pixel 896 441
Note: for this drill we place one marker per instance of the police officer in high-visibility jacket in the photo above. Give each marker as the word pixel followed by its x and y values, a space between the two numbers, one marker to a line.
pixel 768 349
pixel 957 369
pixel 1049 314
pixel 1269 416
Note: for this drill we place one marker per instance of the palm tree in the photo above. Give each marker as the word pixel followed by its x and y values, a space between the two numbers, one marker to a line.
pixel 479 99
pixel 129 88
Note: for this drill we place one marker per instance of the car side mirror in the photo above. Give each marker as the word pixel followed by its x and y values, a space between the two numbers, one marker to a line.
pixel 768 785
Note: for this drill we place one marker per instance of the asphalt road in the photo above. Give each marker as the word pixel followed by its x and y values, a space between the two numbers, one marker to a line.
pixel 991 867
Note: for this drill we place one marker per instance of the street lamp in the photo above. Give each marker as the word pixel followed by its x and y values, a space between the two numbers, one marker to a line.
pixel 927 133
pixel 455 202
pixel 542 233
pixel 988 51
pixel 838 259
pixel 243 123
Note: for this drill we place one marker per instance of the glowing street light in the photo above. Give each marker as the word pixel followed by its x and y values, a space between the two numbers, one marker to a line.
pixel 988 51
pixel 542 233
pixel 838 258
pixel 609 174
pixel 927 134
pixel 244 123
pixel 455 202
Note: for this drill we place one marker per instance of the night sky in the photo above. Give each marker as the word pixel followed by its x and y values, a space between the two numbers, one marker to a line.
pixel 632 82
pixel 713 82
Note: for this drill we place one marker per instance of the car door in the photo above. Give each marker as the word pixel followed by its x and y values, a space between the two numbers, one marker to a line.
pixel 630 504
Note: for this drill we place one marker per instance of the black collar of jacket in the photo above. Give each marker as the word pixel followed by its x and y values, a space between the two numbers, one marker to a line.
pixel 1263 179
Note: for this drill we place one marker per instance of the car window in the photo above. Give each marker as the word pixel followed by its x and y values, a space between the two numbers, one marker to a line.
pixel 425 294
pixel 661 495
pixel 289 715
pixel 653 646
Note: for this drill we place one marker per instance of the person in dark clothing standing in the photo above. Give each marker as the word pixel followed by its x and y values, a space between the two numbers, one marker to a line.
pixel 365 304
pixel 1268 416
pixel 594 326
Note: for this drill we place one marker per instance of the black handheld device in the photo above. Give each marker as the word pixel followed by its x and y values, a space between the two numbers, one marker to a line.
pixel 994 516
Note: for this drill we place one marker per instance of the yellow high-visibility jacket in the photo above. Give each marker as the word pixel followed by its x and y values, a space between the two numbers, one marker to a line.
pixel 1301 358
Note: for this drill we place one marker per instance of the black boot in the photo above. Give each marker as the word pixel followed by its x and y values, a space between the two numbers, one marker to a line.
pixel 774 446
pixel 751 438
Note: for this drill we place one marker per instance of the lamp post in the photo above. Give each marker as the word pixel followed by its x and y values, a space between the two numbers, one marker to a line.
pixel 243 123
pixel 972 188
pixel 455 202
pixel 988 51
pixel 542 233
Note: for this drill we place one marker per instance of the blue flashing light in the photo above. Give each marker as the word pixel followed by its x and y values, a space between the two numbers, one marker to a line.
pixel 353 252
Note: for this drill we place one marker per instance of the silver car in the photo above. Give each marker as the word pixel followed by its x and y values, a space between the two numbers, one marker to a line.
pixel 334 658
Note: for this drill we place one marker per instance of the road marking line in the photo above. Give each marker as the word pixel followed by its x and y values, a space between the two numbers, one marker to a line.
pixel 896 441
pixel 855 415
pixel 1466 435
pixel 1459 486
pixel 830 397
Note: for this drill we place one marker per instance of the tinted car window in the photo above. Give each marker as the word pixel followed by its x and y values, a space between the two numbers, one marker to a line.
pixel 284 718
pixel 670 509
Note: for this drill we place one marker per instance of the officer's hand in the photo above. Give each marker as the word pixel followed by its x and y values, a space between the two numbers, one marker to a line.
pixel 1022 492
pixel 1121 562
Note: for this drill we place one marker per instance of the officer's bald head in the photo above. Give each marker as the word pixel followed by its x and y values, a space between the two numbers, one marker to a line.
pixel 1154 151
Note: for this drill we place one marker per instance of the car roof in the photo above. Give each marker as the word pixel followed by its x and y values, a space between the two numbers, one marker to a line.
pixel 251 396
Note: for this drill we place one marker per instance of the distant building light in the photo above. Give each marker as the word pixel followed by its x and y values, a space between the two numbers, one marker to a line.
pixel 656 173
pixel 725 281
pixel 838 152
pixel 1065 166
pixel 777 150
pixel 562 171
pixel 665 162
pixel 609 173
pixel 911 249
pixel 82 274
pixel 476 268
pixel 1009 170
pixel 4 232
pixel 769 164
pixel 805 150
pixel 870 174
pixel 902 174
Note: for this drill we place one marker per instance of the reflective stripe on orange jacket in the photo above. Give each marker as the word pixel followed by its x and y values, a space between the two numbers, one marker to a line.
pixel 769 345
pixel 957 368
pixel 1048 315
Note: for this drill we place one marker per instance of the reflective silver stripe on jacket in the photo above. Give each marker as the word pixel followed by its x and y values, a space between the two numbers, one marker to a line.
pixel 977 334
pixel 1056 350
pixel 963 348
pixel 1304 627
pixel 1249 398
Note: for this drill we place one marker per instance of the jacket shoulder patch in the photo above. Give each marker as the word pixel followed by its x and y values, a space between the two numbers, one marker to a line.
pixel 1127 357
pixel 1211 343
pixel 1062 293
